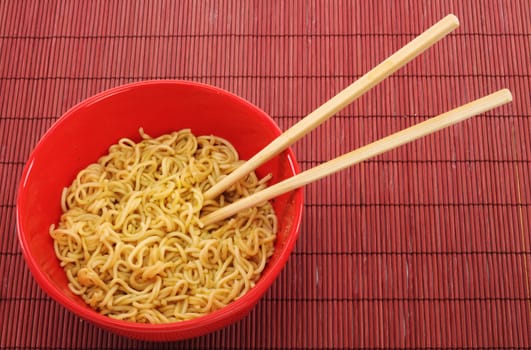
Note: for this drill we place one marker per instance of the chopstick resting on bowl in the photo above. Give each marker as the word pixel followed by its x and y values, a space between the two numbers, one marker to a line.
pixel 385 144
pixel 390 65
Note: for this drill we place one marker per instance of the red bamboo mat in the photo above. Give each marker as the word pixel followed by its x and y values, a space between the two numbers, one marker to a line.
pixel 427 246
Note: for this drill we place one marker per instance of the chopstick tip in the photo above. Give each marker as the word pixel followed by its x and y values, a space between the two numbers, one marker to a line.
pixel 507 94
pixel 453 19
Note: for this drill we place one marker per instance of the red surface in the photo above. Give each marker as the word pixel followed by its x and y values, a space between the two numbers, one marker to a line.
pixel 86 132
pixel 427 246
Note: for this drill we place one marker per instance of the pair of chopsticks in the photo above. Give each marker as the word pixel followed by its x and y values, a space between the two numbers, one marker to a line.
pixel 337 103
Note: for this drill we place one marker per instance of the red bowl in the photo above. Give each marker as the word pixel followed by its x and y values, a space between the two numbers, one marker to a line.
pixel 86 131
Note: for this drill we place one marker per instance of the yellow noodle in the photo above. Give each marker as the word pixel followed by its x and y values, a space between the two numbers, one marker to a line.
pixel 130 237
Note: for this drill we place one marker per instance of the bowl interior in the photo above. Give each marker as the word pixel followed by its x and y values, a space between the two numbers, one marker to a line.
pixel 85 133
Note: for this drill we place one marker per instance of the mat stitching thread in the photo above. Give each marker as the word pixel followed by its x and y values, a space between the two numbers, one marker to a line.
pixel 338 116
pixel 262 76
pixel 335 299
pixel 415 205
pixel 245 35
pixel 387 253
pixel 379 161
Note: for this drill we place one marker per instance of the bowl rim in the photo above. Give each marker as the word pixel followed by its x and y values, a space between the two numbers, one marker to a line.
pixel 230 311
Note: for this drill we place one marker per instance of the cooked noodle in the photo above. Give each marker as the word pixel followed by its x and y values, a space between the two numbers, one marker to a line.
pixel 130 239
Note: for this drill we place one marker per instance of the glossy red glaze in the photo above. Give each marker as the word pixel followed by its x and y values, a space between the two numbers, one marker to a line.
pixel 85 132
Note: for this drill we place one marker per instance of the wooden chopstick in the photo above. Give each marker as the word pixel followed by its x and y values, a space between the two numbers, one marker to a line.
pixel 340 101
pixel 383 145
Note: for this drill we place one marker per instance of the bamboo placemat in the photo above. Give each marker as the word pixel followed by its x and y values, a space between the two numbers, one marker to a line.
pixel 427 246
